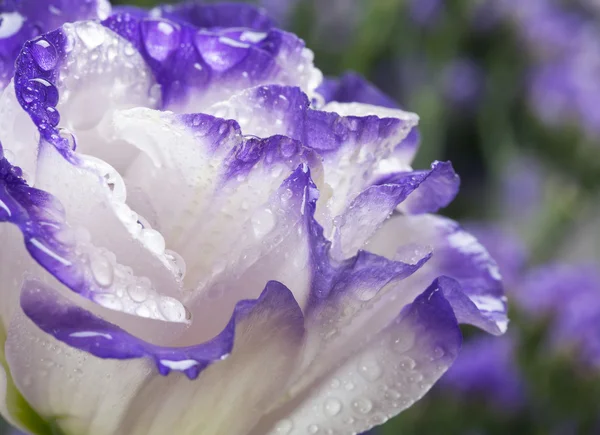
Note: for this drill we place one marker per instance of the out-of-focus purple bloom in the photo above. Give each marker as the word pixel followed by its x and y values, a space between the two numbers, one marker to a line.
pixel 565 45
pixel 487 369
pixel 425 12
pixel 462 82
pixel 507 249
pixel 570 297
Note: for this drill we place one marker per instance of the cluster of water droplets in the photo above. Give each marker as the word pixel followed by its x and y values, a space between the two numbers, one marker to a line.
pixel 137 226
pixel 111 284
pixel 394 372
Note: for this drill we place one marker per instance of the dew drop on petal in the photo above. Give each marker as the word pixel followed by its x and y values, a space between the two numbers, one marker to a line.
pixel 369 369
pixel 102 270
pixel 69 137
pixel 92 34
pixel 109 301
pixel 160 38
pixel 263 222
pixel 172 309
pixel 44 54
pixel 137 292
pixel 313 428
pixel 154 241
pixel 332 406
pixel 284 427
pixel 362 405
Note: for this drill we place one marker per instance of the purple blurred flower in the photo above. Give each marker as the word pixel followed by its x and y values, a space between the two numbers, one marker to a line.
pixel 487 370
pixel 425 12
pixel 569 296
pixel 565 46
pixel 462 82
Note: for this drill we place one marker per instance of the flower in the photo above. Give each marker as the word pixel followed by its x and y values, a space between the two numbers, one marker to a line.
pixel 188 220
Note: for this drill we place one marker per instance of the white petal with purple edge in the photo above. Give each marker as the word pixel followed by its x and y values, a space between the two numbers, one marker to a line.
pixel 386 374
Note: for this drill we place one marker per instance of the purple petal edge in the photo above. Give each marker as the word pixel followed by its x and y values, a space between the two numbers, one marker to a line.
pixel 83 330
pixel 434 189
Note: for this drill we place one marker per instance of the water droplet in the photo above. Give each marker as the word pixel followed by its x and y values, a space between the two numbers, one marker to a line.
pixel 263 222
pixel 154 241
pixel 41 91
pixel 129 50
pixel 362 405
pixel 172 309
pixel 369 369
pixel 332 406
pixel 349 386
pixel 407 363
pixel 393 394
pixel 438 353
pixel 143 311
pixel 137 292
pixel 44 54
pixel 403 343
pixel 69 137
pixel 284 427
pixel 160 37
pixel 177 263
pixel 102 270
pixel 92 34
pixel 109 301
pixel 335 383
pixel 313 428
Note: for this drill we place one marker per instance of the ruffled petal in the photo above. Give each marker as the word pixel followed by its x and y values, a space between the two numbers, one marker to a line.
pixel 351 138
pixel 71 391
pixel 69 255
pixel 221 15
pixel 21 20
pixel 209 169
pixel 226 366
pixel 245 385
pixel 353 88
pixel 478 297
pixel 91 191
pixel 416 192
pixel 197 68
pixel 393 369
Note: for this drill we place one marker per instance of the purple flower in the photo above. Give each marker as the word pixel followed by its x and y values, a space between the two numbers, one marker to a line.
pixel 487 370
pixel 425 12
pixel 570 297
pixel 462 82
pixel 198 238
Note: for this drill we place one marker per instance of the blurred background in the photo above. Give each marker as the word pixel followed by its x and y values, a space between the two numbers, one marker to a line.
pixel 509 91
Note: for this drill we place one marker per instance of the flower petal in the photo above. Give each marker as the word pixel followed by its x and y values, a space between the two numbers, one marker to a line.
pixel 90 190
pixel 351 138
pixel 268 343
pixel 478 298
pixel 70 257
pixel 71 390
pixel 393 369
pixel 416 192
pixel 220 15
pixel 197 68
pixel 273 323
pixel 26 19
pixel 353 88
